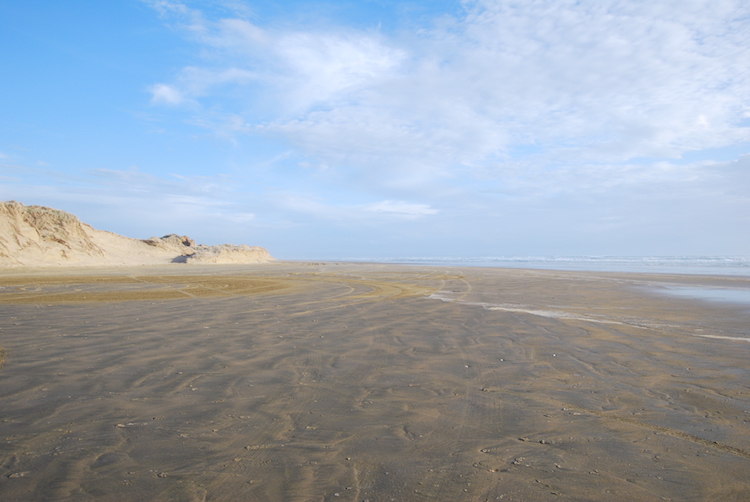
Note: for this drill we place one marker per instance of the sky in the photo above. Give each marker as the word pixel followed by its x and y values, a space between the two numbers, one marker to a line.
pixel 379 129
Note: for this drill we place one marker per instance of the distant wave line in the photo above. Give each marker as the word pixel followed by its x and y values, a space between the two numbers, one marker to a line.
pixel 700 265
pixel 658 260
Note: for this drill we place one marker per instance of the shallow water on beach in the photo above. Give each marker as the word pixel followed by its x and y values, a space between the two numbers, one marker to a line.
pixel 741 296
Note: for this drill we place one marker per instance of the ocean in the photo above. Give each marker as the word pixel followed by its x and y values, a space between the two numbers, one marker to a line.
pixel 702 265
pixel 738 266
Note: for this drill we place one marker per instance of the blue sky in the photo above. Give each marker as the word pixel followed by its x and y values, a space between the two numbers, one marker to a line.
pixel 375 129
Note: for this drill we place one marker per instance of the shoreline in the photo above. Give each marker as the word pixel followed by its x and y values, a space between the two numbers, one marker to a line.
pixel 692 265
pixel 659 283
pixel 342 381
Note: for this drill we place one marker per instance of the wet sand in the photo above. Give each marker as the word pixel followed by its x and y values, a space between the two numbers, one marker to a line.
pixel 353 382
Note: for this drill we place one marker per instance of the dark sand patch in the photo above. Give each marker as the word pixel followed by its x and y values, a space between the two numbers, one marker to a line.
pixel 347 382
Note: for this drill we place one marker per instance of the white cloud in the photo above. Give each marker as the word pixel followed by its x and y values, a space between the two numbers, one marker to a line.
pixel 166 7
pixel 240 217
pixel 302 69
pixel 166 94
pixel 328 68
pixel 301 206
pixel 403 209
pixel 581 82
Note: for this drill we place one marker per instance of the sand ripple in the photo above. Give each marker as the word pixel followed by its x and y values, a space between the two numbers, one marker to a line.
pixel 352 382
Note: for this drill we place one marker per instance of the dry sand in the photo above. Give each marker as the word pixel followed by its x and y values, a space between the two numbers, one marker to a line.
pixel 40 236
pixel 346 382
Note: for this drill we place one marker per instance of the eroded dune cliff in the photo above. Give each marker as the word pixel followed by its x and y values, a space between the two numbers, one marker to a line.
pixel 38 236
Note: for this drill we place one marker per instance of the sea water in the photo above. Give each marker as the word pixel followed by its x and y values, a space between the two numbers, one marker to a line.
pixel 734 295
pixel 702 265
pixel 697 265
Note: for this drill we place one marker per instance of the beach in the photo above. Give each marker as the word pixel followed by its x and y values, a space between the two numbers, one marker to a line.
pixel 294 381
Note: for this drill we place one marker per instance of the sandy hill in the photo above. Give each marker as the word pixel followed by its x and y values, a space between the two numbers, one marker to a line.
pixel 38 236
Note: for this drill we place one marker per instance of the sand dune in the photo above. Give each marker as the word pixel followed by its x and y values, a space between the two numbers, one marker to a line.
pixel 362 382
pixel 37 236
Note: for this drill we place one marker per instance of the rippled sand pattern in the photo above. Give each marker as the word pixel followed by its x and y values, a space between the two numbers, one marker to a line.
pixel 297 382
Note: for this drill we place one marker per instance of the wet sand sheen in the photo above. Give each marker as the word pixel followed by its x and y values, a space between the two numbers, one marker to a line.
pixel 366 382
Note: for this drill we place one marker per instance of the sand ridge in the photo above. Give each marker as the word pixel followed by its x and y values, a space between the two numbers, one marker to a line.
pixel 349 382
